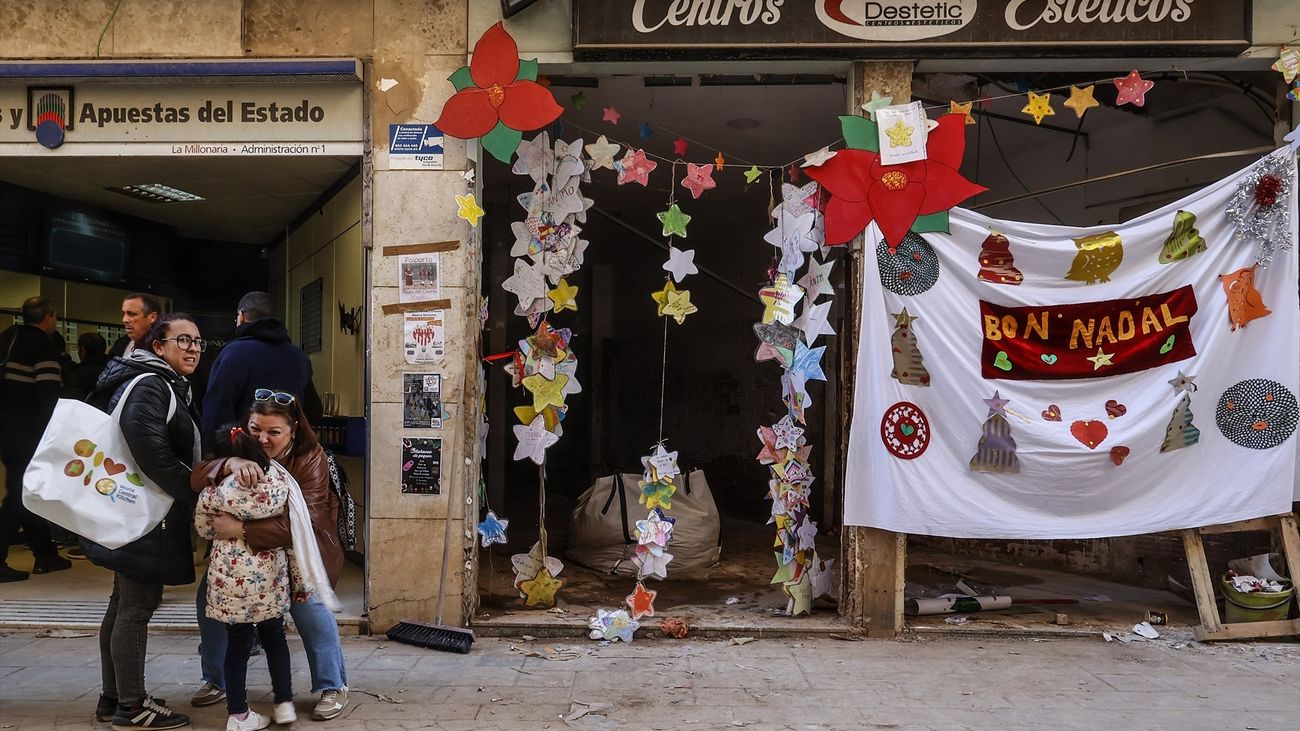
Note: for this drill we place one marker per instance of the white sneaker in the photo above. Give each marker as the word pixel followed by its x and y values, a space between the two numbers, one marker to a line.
pixel 331 704
pixel 253 722
pixel 284 713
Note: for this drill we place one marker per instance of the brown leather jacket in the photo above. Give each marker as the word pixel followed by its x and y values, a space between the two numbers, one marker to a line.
pixel 311 470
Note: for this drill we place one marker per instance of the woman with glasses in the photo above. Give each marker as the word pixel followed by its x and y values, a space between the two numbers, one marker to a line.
pixel 159 423
pixel 276 420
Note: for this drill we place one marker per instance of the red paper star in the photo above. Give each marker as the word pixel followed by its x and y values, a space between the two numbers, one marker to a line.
pixel 641 601
pixel 861 189
pixel 611 115
pixel 699 178
pixel 497 95
pixel 1132 89
pixel 679 147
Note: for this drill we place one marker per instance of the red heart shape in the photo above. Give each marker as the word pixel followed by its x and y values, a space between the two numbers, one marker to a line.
pixel 113 468
pixel 1090 433
pixel 1052 413
pixel 1117 455
pixel 1115 409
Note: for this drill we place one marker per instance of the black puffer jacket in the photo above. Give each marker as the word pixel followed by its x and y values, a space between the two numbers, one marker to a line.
pixel 165 452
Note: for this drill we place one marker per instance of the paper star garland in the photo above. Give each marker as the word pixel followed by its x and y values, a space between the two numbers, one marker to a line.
pixel 699 178
pixel 963 109
pixel 674 221
pixel 752 174
pixel 1132 89
pixel 635 167
pixel 541 590
pixel 564 296
pixel 468 209
pixel 610 115
pixel 534 440
pixel 1081 100
pixel 679 147
pixel 1039 106
pixel 877 101
pixel 602 153
pixel 814 321
pixel 680 263
pixel 641 602
pixel 492 529
pixel 1101 359
pixel 997 404
pixel 813 159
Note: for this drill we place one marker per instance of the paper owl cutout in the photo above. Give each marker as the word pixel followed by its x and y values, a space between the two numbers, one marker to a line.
pixel 1099 256
pixel 1184 241
pixel 1244 301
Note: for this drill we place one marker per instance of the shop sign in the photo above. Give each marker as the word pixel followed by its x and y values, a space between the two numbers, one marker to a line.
pixel 989 28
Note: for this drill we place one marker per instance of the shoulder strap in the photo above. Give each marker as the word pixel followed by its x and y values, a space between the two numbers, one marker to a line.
pixel 171 401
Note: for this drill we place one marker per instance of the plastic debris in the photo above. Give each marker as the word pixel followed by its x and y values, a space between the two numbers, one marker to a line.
pixel 1144 629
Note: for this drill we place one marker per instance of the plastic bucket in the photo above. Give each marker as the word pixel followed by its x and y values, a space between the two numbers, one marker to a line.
pixel 1256 606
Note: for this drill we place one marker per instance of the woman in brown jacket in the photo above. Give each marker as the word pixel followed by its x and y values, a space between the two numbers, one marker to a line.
pixel 277 422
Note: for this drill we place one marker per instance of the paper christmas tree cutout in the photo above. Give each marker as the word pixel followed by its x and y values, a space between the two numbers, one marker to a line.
pixel 1181 432
pixel 997 450
pixel 1184 241
pixel 997 265
pixel 908 366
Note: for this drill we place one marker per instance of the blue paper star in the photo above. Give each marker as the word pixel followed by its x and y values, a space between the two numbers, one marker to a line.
pixel 1294 139
pixel 493 529
pixel 808 362
pixel 646 131
pixel 664 516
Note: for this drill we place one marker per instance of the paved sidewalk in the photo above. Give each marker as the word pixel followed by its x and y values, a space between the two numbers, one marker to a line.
pixel 803 684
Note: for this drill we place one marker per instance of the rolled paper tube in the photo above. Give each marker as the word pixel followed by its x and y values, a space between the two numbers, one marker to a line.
pixel 954 604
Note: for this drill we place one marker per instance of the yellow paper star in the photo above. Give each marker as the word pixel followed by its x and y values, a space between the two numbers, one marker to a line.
pixel 661 297
pixel 1081 100
pixel 541 590
pixel 1039 106
pixel 550 416
pixel 900 135
pixel 564 296
pixel 955 108
pixel 678 306
pixel 1101 359
pixel 546 391
pixel 469 209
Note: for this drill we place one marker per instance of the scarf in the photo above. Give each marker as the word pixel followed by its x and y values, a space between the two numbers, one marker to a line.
pixel 306 552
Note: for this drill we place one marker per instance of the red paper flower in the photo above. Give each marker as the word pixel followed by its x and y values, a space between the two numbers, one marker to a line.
pixel 498 95
pixel 862 189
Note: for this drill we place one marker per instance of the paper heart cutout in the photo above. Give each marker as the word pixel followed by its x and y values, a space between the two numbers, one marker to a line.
pixel 1052 413
pixel 907 429
pixel 1090 433
pixel 1118 454
pixel 1168 345
pixel 1002 361
pixel 1115 409
pixel 113 468
pixel 1049 358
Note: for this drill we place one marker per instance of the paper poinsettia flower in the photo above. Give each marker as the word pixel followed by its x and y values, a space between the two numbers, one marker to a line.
pixel 497 98
pixel 894 196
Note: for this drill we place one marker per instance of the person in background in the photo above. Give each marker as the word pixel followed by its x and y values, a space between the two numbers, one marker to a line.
pixel 29 389
pixel 139 311
pixel 92 357
pixel 66 364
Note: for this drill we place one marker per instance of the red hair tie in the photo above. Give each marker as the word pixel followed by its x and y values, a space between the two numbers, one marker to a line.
pixel 235 432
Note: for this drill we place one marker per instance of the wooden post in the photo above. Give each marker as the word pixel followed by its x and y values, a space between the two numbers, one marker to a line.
pixel 873 560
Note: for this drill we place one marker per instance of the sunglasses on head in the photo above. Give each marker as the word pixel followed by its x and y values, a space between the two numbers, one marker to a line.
pixel 280 397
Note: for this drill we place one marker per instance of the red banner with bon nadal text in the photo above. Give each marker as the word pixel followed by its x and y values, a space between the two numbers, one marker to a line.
pixel 1087 339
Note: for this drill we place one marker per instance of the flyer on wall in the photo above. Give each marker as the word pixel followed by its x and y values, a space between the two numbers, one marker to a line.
pixel 425 337
pixel 422 400
pixel 419 278
pixel 421 466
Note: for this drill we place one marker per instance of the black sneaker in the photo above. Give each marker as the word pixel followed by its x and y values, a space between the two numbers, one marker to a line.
pixel 149 714
pixel 106 708
pixel 8 574
pixel 51 563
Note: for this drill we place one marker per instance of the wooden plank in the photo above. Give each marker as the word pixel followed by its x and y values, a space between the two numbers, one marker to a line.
pixel 873 591
pixel 429 248
pixel 1250 630
pixel 1241 526
pixel 1202 583
pixel 1290 543
pixel 422 306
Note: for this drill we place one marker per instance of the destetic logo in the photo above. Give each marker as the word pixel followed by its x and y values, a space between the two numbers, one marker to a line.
pixel 48 114
pixel 895 20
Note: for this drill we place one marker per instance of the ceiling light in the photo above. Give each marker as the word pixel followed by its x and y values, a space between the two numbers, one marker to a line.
pixel 742 123
pixel 156 193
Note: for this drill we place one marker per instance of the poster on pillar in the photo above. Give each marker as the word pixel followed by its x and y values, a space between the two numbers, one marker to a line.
pixel 1083 383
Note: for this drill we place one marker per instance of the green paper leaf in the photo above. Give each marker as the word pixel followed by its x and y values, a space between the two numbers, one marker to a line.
pixel 502 142
pixel 527 70
pixel 935 222
pixel 461 79
pixel 860 133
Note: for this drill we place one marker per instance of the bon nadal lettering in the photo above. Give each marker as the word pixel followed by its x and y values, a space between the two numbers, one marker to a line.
pixel 1087 339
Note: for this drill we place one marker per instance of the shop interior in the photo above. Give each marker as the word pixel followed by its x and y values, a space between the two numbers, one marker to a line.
pixel 197 233
pixel 714 394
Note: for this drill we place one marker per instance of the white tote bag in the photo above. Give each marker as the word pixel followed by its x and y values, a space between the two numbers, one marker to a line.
pixel 84 478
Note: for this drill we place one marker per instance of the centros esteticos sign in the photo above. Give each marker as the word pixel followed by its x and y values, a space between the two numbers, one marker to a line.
pixel 895 20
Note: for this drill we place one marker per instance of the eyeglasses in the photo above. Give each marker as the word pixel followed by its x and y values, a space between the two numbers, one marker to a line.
pixel 280 397
pixel 185 342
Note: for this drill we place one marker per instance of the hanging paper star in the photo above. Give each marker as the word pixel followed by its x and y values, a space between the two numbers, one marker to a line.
pixel 699 178
pixel 468 176
pixel 776 342
pixel 655 494
pixel 653 532
pixel 611 115
pixel 877 101
pixel 564 296
pixel 615 625
pixel 534 158
pixel 1101 359
pixel 569 367
pixel 674 221
pixel 1287 64
pixel 794 394
pixel 528 565
pixel 719 162
pixel 661 464
pixel 752 174
pixel 813 159
pixel 468 209
pixel 635 167
pixel 1132 89
pixel 1183 382
pixel 602 153
pixel 963 109
pixel 1081 100
pixel 807 534
pixel 767 455
pixel 817 280
pixel 641 602
pixel 779 299
pixel 568 161
pixel 541 590
pixel 578 100
pixel 792 235
pixel 808 361
pixel 674 303
pixel 997 404
pixel 800 593
pixel 798 200
pixel 551 417
pixel 787 435
pixel 679 147
pixel 820 575
pixel 645 130
pixel 651 564
pixel 680 263
pixel 1039 106
pixel 527 282
pixel 534 440
pixel 546 390
pixel 492 529
pixel 814 321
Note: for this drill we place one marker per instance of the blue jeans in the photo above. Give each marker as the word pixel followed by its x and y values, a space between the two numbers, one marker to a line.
pixel 316 626
pixel 240 640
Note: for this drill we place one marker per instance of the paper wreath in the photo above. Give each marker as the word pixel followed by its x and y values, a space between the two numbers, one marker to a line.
pixel 894 196
pixel 497 98
pixel 1257 413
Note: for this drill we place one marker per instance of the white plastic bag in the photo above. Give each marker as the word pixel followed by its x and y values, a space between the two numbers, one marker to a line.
pixel 84 478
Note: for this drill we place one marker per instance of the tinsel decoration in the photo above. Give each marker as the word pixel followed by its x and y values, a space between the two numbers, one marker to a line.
pixel 1261 206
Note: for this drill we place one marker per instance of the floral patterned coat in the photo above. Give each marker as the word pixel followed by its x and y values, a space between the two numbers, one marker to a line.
pixel 246 585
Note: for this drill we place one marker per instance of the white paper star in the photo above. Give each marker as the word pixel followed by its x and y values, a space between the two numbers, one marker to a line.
pixel 534 440
pixel 821 574
pixel 468 175
pixel 680 263
pixel 650 564
pixel 787 434
pixel 535 159
pixel 527 283
pixel 817 280
pixel 807 534
pixel 528 565
pixel 798 200
pixel 660 465
pixel 602 153
pixel 1294 139
pixel 818 158
pixel 569 368
pixel 653 532
pixel 568 161
pixel 791 237
pixel 814 321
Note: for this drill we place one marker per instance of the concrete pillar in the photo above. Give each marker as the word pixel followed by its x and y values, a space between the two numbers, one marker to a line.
pixel 873 560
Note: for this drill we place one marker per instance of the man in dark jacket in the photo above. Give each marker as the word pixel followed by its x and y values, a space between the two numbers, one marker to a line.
pixel 259 356
pixel 29 389
pixel 93 359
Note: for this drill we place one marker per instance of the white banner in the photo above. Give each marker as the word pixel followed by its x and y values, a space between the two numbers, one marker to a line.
pixel 1019 380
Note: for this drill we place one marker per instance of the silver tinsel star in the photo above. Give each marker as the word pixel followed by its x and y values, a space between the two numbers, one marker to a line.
pixel 1268 225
